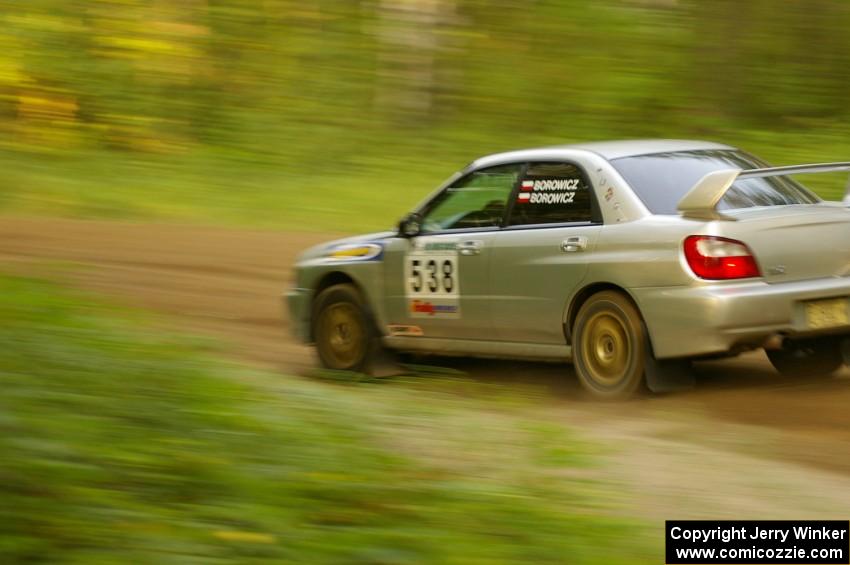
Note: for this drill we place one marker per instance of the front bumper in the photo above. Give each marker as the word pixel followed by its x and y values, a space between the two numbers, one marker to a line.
pixel 298 303
pixel 718 318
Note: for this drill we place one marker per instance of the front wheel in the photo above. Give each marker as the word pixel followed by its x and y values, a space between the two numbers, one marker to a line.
pixel 609 346
pixel 813 358
pixel 343 329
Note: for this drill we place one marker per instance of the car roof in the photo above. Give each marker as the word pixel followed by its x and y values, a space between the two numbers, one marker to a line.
pixel 634 147
pixel 607 149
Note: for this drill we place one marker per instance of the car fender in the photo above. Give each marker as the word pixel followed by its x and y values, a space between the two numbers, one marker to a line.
pixel 358 261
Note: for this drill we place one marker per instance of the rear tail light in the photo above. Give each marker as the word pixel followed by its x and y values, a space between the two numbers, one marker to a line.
pixel 718 258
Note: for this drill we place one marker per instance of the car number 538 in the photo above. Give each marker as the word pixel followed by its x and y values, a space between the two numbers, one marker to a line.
pixel 432 275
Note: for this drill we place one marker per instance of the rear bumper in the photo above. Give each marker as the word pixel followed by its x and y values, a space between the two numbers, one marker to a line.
pixel 717 318
pixel 297 302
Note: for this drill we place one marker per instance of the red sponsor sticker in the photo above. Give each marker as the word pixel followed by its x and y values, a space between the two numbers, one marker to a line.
pixel 424 307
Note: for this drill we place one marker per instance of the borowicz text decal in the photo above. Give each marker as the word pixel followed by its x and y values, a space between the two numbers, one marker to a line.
pixel 548 191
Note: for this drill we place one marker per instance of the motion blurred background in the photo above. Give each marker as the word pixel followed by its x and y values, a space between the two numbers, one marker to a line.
pixel 308 113
pixel 163 163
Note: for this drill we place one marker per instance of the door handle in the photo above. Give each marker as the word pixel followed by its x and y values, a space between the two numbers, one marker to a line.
pixel 469 247
pixel 574 244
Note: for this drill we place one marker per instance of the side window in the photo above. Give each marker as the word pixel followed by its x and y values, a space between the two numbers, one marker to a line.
pixel 553 193
pixel 477 200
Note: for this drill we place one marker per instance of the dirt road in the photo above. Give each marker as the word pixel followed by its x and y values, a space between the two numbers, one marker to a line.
pixel 228 283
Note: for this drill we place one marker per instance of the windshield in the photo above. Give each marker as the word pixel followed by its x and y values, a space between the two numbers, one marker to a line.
pixel 662 179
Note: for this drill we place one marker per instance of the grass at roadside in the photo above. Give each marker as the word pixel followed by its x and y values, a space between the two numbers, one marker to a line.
pixel 203 189
pixel 369 189
pixel 122 445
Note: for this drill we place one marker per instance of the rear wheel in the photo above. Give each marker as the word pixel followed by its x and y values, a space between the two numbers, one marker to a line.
pixel 609 346
pixel 343 329
pixel 812 357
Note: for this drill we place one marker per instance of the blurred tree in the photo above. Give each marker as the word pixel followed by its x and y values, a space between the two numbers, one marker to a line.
pixel 294 80
pixel 411 33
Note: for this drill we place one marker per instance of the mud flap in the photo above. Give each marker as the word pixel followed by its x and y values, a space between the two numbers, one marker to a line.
pixel 666 375
pixel 384 363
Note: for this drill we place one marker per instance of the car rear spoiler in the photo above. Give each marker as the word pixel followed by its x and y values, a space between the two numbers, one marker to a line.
pixel 701 201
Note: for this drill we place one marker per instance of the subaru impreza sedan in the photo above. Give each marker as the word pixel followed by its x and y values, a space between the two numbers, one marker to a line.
pixel 628 258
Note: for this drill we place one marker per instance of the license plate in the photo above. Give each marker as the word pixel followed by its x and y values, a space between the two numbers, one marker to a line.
pixel 831 313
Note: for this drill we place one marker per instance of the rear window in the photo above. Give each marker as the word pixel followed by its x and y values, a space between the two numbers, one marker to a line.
pixel 662 179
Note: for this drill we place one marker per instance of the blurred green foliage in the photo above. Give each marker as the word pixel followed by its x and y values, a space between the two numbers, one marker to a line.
pixel 119 444
pixel 341 114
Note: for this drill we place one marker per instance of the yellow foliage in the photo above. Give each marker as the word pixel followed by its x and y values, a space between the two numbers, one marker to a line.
pixel 10 73
pixel 141 47
pixel 47 106
pixel 247 537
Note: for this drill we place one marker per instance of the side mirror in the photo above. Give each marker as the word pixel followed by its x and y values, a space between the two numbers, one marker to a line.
pixel 410 226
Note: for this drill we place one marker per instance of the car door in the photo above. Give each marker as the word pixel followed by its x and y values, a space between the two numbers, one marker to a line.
pixel 437 283
pixel 541 255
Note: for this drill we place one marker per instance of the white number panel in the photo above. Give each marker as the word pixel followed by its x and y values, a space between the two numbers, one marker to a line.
pixel 432 275
pixel 431 280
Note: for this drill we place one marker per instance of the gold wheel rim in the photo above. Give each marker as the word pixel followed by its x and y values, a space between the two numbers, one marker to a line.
pixel 607 349
pixel 341 335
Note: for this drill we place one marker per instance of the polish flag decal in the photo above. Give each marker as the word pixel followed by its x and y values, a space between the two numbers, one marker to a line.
pixel 527 185
pixel 523 197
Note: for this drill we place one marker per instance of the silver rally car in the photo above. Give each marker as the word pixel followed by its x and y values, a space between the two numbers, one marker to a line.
pixel 629 258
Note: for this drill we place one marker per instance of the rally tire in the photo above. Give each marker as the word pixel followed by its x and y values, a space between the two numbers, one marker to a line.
pixel 344 329
pixel 819 358
pixel 610 346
